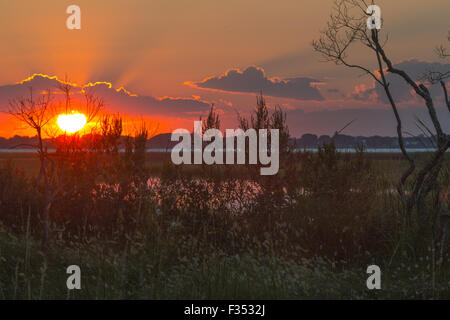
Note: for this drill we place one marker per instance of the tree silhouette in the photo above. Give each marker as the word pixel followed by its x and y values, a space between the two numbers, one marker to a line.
pixel 37 114
pixel 212 121
pixel 347 29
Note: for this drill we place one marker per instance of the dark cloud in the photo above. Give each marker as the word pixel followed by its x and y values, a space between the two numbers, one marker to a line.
pixel 116 100
pixel 254 80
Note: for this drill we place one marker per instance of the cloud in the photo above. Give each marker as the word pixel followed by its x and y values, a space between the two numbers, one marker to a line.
pixel 116 100
pixel 319 117
pixel 401 91
pixel 254 80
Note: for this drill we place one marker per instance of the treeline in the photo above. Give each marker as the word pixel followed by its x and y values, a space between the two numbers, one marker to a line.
pixel 376 142
pixel 162 141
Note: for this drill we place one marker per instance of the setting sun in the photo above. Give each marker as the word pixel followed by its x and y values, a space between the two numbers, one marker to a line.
pixel 71 123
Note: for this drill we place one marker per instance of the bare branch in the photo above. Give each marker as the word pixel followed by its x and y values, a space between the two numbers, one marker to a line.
pixel 346 28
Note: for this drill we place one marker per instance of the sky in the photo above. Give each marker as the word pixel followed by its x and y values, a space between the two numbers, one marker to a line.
pixel 180 56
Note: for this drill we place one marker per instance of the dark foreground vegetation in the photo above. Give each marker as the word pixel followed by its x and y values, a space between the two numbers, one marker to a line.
pixel 213 233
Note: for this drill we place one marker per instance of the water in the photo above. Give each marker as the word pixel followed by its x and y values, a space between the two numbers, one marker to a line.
pixel 376 150
pixel 345 150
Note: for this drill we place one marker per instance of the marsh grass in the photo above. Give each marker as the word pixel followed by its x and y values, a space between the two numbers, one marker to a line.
pixel 147 274
pixel 310 232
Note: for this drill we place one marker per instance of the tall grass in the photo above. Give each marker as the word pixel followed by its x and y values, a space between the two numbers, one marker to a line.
pixel 310 232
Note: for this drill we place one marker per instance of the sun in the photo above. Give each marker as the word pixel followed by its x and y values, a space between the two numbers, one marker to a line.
pixel 71 123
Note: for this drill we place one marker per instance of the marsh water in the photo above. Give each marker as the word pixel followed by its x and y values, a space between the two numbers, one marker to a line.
pixel 345 150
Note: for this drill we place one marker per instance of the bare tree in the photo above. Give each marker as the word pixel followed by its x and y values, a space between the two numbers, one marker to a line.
pixel 92 105
pixel 438 76
pixel 36 113
pixel 347 29
pixel 90 108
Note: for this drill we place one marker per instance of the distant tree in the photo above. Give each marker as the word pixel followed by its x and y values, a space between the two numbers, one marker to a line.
pixel 135 151
pixel 260 117
pixel 309 140
pixel 278 121
pixel 212 121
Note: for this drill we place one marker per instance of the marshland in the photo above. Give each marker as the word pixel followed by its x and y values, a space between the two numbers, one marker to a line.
pixel 141 227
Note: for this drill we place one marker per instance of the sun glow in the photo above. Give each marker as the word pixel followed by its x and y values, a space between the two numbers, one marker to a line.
pixel 71 123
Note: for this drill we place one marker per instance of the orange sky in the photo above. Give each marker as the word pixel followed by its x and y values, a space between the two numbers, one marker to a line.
pixel 154 47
